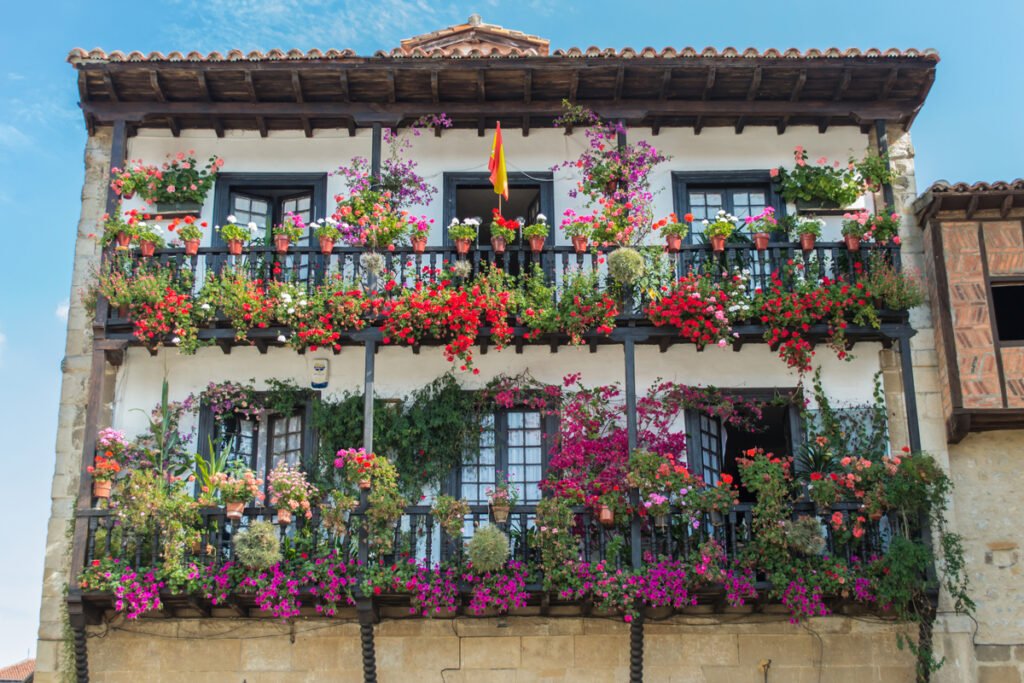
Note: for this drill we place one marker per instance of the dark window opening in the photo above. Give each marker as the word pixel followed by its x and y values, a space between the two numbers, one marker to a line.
pixel 774 436
pixel 1008 307
pixel 470 195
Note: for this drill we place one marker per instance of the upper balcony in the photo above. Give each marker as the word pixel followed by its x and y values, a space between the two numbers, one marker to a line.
pixel 767 296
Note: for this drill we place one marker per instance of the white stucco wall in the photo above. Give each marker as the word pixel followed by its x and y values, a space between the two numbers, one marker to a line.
pixel 715 149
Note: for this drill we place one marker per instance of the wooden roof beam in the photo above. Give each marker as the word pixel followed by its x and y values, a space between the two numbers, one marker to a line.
pixel 249 87
pixel 1004 208
pixel 109 83
pixel 698 125
pixel 755 83
pixel 174 125
pixel 780 127
pixel 709 83
pixel 481 86
pixel 972 206
pixel 620 77
pixel 741 123
pixel 574 85
pixel 527 85
pixel 823 124
pixel 666 79
pixel 343 83
pixel 926 87
pixel 204 89
pixel 391 86
pixel 297 87
pixel 526 125
pixel 844 83
pixel 351 128
pixel 434 87
pixel 154 83
pixel 890 81
pixel 481 126
pixel 798 87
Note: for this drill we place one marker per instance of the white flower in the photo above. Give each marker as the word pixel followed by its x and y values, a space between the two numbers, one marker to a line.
pixel 253 228
pixel 303 303
pixel 282 338
pixel 175 340
pixel 704 222
pixel 541 218
pixel 286 297
pixel 455 221
pixel 291 310
pixel 232 219
pixel 473 221
pixel 205 307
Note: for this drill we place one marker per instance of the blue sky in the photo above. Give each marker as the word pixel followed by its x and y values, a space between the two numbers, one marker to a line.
pixel 971 129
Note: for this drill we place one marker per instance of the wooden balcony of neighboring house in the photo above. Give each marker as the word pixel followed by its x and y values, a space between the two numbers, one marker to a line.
pixel 974 246
pixel 308 267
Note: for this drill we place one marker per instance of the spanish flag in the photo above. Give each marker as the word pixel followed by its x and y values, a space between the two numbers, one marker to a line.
pixel 496 165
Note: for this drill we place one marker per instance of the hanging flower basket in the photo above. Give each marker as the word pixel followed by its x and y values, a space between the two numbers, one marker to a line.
pixel 235 510
pixel 235 247
pixel 500 512
pixel 191 247
pixel 101 489
pixel 281 243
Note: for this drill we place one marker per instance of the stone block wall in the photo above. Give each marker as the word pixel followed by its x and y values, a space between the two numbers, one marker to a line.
pixel 683 649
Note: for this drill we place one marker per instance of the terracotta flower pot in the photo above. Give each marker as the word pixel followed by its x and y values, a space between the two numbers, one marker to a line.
pixel 852 242
pixel 807 241
pixel 191 247
pixel 500 512
pixel 419 245
pixel 579 243
pixel 606 516
pixel 498 244
pixel 235 510
pixel 674 243
pixel 718 243
pixel 761 240
pixel 462 245
pixel 123 239
pixel 326 245
pixel 364 484
pixel 284 516
pixel 147 248
pixel 128 195
pixel 537 244
pixel 235 247
pixel 281 243
pixel 101 489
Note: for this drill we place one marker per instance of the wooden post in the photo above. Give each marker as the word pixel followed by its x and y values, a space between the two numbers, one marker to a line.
pixel 882 146
pixel 636 627
pixel 375 151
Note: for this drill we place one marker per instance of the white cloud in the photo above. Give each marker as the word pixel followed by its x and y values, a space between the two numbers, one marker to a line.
pixel 265 24
pixel 15 76
pixel 62 310
pixel 11 136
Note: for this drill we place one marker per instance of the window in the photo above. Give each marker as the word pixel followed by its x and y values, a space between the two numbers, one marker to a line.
pixel 741 193
pixel 713 447
pixel 470 195
pixel 264 198
pixel 1007 300
pixel 261 443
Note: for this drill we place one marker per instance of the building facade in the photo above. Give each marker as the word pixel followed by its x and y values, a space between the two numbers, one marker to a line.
pixel 282 123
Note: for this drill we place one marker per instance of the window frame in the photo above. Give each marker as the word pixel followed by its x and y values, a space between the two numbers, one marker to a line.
pixel 549 432
pixel 684 181
pixel 452 181
pixel 993 282
pixel 227 182
pixel 310 438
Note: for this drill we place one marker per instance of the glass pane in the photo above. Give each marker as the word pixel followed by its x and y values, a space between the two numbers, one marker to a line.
pixel 533 438
pixel 469 493
pixel 517 473
pixel 533 473
pixel 533 420
pixel 469 474
pixel 486 456
pixel 515 420
pixel 487 475
pixel 532 493
pixel 515 438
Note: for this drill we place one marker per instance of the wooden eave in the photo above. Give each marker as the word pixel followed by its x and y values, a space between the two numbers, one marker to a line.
pixel 658 92
pixel 969 202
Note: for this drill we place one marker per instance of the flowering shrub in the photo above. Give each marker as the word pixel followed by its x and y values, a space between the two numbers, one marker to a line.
pixel 289 489
pixel 877 227
pixel 803 601
pixel 178 180
pixel 432 590
pixel 318 320
pixel 135 591
pixel 243 300
pixel 581 306
pixel 703 308
pixel 239 487
pixel 501 591
pixel 370 218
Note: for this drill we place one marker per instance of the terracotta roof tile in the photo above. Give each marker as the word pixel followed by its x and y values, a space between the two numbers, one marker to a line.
pixel 943 186
pixel 19 671
pixel 78 55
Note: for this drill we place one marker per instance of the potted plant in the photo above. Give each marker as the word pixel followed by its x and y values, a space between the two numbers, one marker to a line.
pixel 762 226
pixel 110 446
pixel 334 511
pixel 874 171
pixel 577 229
pixel 537 233
pixel 189 232
pixel 606 505
pixel 180 186
pixel 236 235
pixel 149 238
pixel 503 232
pixel 502 497
pixel 238 488
pixel 420 228
pixel 719 230
pixel 626 265
pixel 463 234
pixel 450 513
pixel 357 466
pixel 290 231
pixel 818 186
pixel 715 500
pixel 674 231
pixel 327 233
pixel 133 178
pixel 878 227
pixel 806 230
pixel 119 230
pixel 854 229
pixel 290 492
pixel 658 478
